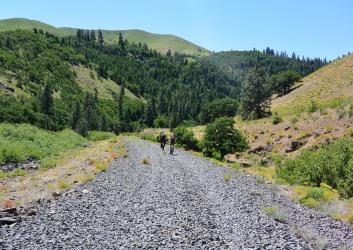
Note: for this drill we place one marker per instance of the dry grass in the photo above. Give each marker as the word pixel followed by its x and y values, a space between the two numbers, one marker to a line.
pixel 146 161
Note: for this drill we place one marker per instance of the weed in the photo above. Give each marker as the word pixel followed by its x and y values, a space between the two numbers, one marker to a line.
pixel 62 185
pixel 227 177
pixel 100 166
pixel 276 213
pixel 11 174
pixel 145 161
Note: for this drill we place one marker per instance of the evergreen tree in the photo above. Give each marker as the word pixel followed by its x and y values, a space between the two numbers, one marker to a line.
pixel 121 40
pixel 100 38
pixel 76 115
pixel 93 36
pixel 150 114
pixel 256 95
pixel 121 101
pixel 47 101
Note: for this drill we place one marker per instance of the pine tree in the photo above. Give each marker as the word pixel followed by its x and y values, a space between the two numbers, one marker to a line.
pixel 47 101
pixel 121 40
pixel 256 95
pixel 76 115
pixel 100 38
pixel 121 101
pixel 93 36
pixel 150 113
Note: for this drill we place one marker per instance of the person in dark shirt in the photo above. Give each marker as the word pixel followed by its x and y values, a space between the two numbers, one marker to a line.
pixel 163 140
pixel 172 143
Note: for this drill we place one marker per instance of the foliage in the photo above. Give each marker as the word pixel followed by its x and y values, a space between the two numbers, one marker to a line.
pixel 161 122
pixel 100 135
pixel 226 107
pixel 276 119
pixel 237 63
pixel 222 138
pixel 331 164
pixel 185 138
pixel 20 142
pixel 255 96
pixel 282 82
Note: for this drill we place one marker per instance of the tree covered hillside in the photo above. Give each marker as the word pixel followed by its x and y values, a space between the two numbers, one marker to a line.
pixel 39 69
pixel 238 63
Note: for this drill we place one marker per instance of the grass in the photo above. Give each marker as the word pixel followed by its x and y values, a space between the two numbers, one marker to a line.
pixel 100 135
pixel 329 87
pixel 13 173
pixel 276 213
pixel 227 177
pixel 105 87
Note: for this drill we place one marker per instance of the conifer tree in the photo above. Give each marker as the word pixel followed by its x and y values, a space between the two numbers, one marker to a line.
pixel 76 115
pixel 121 101
pixel 100 38
pixel 256 95
pixel 47 101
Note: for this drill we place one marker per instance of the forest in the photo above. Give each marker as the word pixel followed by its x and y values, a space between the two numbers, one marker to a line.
pixel 171 89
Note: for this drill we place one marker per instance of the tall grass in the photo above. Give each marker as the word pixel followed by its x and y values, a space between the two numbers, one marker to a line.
pixel 19 142
pixel 100 135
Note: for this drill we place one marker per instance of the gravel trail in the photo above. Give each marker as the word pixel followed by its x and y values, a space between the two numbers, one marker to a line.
pixel 179 201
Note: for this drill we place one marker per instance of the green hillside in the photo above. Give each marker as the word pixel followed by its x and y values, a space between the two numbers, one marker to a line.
pixel 161 43
pixel 237 63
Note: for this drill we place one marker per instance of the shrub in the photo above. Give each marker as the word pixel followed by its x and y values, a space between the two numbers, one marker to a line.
pixel 161 122
pixel 331 164
pixel 185 138
pixel 312 107
pixel 100 135
pixel 276 119
pixel 222 138
pixel 22 141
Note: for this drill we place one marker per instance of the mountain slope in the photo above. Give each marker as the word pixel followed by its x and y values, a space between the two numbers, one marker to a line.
pixel 161 43
pixel 328 86
pixel 237 63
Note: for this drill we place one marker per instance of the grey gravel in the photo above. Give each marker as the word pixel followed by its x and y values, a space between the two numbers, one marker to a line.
pixel 175 202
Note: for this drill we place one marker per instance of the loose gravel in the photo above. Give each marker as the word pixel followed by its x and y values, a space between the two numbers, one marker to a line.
pixel 180 201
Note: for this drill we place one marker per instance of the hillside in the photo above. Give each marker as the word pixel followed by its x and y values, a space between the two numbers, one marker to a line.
pixel 327 86
pixel 237 63
pixel 161 43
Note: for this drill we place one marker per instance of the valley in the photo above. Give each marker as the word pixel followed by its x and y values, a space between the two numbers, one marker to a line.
pixel 264 143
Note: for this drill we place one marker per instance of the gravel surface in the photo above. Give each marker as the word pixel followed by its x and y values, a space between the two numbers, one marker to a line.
pixel 179 201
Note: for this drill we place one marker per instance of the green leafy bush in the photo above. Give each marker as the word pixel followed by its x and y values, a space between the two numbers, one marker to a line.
pixel 22 141
pixel 100 135
pixel 185 138
pixel 276 119
pixel 161 122
pixel 222 138
pixel 331 164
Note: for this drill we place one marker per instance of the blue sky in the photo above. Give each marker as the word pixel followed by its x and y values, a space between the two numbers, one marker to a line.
pixel 314 28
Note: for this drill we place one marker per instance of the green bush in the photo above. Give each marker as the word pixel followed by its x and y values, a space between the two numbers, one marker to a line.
pixel 185 138
pixel 100 135
pixel 331 164
pixel 222 138
pixel 276 119
pixel 22 141
pixel 161 122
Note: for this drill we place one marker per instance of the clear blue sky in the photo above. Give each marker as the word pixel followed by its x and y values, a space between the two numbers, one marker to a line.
pixel 314 28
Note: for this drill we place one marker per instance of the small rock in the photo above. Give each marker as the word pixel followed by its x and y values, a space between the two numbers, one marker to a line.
pixel 85 191
pixel 8 220
pixel 55 194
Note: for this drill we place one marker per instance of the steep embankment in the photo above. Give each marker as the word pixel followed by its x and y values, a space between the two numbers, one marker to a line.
pixel 158 42
pixel 326 86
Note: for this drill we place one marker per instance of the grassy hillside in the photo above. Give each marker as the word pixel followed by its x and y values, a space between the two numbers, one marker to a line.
pixel 326 87
pixel 158 42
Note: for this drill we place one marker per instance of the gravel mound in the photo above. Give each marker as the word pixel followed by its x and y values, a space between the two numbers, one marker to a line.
pixel 170 202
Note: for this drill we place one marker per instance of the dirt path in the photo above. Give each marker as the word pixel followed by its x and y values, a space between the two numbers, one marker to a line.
pixel 177 201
